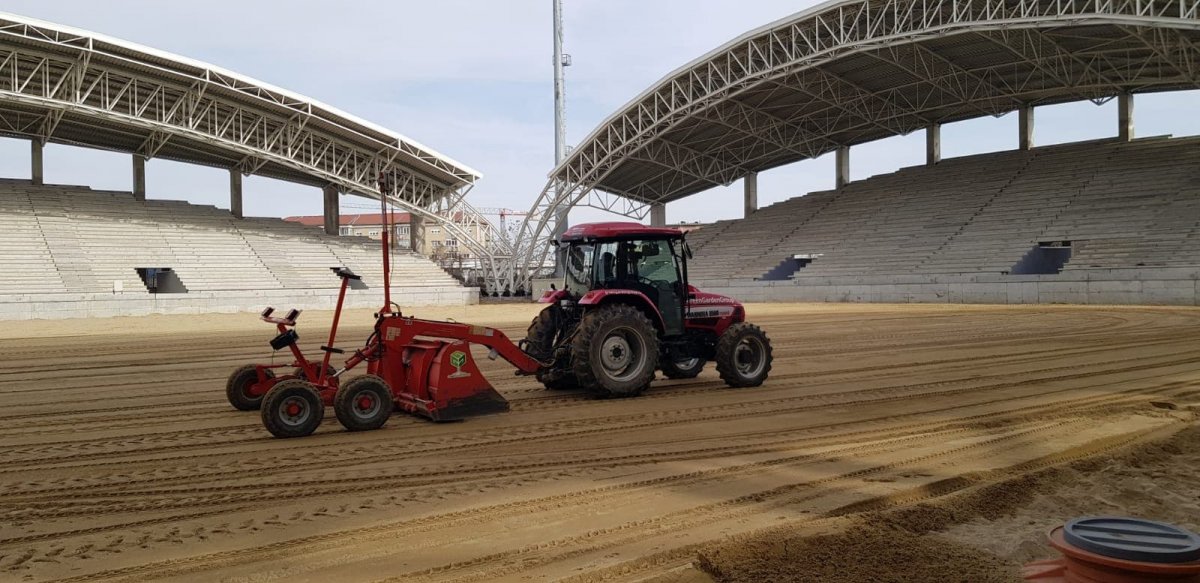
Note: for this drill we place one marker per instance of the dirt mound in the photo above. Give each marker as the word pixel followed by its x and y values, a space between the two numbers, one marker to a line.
pixel 861 553
pixel 982 535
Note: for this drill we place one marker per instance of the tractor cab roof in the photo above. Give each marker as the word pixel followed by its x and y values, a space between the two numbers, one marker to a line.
pixel 617 230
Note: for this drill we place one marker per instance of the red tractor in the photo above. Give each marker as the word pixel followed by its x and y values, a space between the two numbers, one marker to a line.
pixel 626 309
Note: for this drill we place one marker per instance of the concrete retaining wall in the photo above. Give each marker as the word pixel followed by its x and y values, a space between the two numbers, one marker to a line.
pixel 58 306
pixel 1146 286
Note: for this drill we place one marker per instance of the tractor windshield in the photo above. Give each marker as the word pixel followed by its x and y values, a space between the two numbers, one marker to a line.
pixel 579 268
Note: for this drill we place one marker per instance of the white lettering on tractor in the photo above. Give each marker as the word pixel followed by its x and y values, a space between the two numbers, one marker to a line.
pixel 715 312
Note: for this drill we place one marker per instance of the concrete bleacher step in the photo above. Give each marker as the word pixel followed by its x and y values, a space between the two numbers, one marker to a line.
pixel 954 219
pixel 73 239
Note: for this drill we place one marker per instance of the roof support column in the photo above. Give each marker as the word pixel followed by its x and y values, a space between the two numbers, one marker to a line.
pixel 139 177
pixel 750 194
pixel 933 144
pixel 842 167
pixel 658 215
pixel 416 233
pixel 332 212
pixel 36 169
pixel 1125 117
pixel 1025 126
pixel 235 193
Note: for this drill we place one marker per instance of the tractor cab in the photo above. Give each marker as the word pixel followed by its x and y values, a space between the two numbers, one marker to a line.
pixel 626 309
pixel 648 261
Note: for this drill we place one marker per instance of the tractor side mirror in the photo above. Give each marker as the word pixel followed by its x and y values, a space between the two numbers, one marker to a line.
pixel 687 250
pixel 552 288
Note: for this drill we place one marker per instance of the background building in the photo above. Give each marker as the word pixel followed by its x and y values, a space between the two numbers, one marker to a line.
pixel 439 245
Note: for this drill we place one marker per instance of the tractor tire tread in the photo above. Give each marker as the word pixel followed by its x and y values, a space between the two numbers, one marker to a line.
pixel 725 355
pixel 581 349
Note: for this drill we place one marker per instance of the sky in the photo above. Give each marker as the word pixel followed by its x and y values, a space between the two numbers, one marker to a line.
pixel 473 80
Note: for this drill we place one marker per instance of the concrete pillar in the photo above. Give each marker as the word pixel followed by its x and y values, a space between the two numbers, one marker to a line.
pixel 139 177
pixel 36 169
pixel 750 194
pixel 416 233
pixel 332 212
pixel 235 192
pixel 658 215
pixel 1025 126
pixel 1125 117
pixel 842 167
pixel 933 144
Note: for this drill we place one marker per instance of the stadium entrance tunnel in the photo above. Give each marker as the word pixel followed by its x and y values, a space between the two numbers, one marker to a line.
pixel 788 267
pixel 161 280
pixel 1044 259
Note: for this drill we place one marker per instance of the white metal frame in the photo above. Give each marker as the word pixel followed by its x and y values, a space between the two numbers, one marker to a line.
pixel 790 53
pixel 116 93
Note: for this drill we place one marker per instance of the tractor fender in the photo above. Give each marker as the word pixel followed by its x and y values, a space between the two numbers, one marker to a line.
pixel 552 296
pixel 636 298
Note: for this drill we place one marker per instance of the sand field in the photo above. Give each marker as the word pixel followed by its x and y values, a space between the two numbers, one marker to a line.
pixel 121 461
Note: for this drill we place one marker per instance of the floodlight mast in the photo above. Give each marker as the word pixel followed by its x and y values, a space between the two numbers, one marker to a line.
pixel 561 61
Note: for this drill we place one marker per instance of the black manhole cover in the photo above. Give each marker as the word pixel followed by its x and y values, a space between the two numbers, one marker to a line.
pixel 1133 539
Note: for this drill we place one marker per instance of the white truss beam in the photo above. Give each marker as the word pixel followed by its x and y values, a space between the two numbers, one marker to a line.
pixel 811 59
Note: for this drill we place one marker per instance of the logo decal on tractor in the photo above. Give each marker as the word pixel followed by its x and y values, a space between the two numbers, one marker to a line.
pixel 458 358
pixel 717 312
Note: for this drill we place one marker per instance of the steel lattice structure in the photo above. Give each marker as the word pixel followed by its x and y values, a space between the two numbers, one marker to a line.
pixel 64 85
pixel 852 71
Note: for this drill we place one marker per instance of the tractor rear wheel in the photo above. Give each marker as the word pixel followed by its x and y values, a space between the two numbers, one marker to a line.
pixel 237 388
pixel 292 408
pixel 363 404
pixel 544 333
pixel 684 368
pixel 744 355
pixel 615 352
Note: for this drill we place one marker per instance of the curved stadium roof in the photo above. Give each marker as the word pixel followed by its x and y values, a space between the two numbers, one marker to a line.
pixel 65 85
pixel 853 71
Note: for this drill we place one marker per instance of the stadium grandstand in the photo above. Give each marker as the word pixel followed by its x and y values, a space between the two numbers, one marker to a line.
pixel 1108 221
pixel 71 251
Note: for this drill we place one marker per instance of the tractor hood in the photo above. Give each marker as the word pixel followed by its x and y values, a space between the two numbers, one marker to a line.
pixel 701 298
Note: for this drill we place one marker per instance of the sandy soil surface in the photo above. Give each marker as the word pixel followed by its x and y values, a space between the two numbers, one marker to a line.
pixel 982 533
pixel 121 461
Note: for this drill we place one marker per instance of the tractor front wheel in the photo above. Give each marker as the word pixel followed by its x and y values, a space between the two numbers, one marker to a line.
pixel 684 368
pixel 237 388
pixel 292 408
pixel 363 404
pixel 744 355
pixel 615 352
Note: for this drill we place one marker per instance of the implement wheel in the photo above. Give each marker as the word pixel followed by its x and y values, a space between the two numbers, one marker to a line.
pixel 292 408
pixel 237 388
pixel 544 332
pixel 363 404
pixel 684 368
pixel 615 352
pixel 744 355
